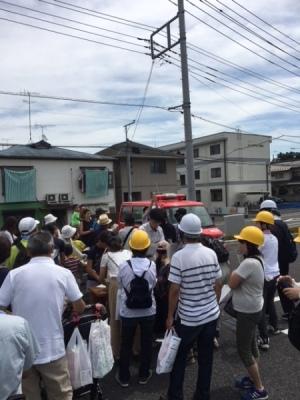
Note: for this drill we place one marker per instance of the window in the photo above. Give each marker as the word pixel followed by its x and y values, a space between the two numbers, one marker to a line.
pixel 215 173
pixel 198 195
pixel 216 194
pixel 95 181
pixel 196 153
pixel 197 174
pixel 182 180
pixel 158 166
pixel 136 196
pixel 215 149
pixel 19 184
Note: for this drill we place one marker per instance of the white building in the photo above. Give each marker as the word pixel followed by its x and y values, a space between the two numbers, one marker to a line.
pixel 231 169
pixel 39 178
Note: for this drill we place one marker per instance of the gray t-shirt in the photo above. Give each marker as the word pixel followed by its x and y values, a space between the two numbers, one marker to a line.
pixel 248 296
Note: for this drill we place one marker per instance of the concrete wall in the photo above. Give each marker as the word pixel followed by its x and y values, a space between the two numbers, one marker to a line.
pixel 247 167
pixel 144 181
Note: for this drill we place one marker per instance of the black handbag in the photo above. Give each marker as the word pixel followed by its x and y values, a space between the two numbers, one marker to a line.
pixel 228 308
pixel 294 327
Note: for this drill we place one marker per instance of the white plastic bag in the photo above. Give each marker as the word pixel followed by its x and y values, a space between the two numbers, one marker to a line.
pixel 167 352
pixel 100 349
pixel 78 361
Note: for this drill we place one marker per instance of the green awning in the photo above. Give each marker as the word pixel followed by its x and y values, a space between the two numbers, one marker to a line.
pixel 20 186
pixel 96 183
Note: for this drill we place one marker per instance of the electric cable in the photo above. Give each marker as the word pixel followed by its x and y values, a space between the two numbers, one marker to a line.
pixel 72 36
pixel 245 37
pixel 69 20
pixel 72 28
pixel 265 22
pixel 246 28
pixel 139 113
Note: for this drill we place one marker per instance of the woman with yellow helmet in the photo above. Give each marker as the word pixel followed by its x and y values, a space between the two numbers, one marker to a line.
pixel 269 250
pixel 247 283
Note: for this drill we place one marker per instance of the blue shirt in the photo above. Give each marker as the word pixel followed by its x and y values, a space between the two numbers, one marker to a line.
pixel 18 352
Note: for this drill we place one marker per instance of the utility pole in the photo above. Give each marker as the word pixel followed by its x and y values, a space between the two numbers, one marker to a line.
pixel 186 106
pixel 128 161
pixel 189 156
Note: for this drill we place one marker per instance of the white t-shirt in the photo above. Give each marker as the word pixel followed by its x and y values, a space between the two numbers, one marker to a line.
pixel 112 261
pixel 195 268
pixel 248 296
pixel 269 251
pixel 126 274
pixel 155 236
pixel 36 292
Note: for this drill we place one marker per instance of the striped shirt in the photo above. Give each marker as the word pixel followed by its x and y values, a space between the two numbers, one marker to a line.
pixel 195 268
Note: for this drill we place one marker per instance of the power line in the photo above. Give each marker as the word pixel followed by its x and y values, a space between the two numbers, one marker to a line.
pixel 69 19
pixel 117 20
pixel 79 100
pixel 246 28
pixel 255 96
pixel 257 26
pixel 240 91
pixel 238 67
pixel 71 27
pixel 73 36
pixel 241 80
pixel 237 42
pixel 265 22
pixel 245 37
pixel 139 113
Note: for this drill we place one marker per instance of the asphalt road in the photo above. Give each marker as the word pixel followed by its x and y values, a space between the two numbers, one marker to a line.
pixel 280 368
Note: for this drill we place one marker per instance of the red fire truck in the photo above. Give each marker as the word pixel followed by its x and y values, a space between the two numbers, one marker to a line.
pixel 170 202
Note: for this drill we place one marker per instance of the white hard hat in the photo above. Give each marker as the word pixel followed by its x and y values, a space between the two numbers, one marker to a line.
pixel 190 224
pixel 68 231
pixel 27 225
pixel 268 204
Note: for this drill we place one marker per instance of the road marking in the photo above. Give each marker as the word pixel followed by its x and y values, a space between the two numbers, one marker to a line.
pixel 285 331
pixel 276 298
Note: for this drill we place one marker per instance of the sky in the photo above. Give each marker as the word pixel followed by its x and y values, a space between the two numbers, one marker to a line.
pixel 52 64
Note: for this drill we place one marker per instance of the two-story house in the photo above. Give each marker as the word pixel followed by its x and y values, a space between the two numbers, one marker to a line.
pixel 152 170
pixel 286 180
pixel 39 178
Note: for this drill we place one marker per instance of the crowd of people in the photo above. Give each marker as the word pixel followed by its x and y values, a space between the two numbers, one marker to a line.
pixel 151 278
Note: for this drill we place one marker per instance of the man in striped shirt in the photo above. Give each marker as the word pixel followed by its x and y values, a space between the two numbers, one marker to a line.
pixel 195 277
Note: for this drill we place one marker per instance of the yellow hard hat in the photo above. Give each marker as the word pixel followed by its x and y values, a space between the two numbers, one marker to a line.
pixel 297 238
pixel 139 240
pixel 264 216
pixel 251 234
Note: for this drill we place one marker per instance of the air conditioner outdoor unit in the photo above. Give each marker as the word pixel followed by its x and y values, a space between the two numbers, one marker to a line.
pixel 64 198
pixel 51 198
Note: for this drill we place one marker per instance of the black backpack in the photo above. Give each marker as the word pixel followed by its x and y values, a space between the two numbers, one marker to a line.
pixel 218 247
pixel 22 256
pixel 285 240
pixel 139 296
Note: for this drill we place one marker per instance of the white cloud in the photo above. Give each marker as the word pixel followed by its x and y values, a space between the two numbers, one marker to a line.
pixel 48 63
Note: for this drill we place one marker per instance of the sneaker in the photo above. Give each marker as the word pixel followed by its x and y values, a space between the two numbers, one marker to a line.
pixel 255 394
pixel 263 343
pixel 144 381
pixel 244 383
pixel 274 331
pixel 121 383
